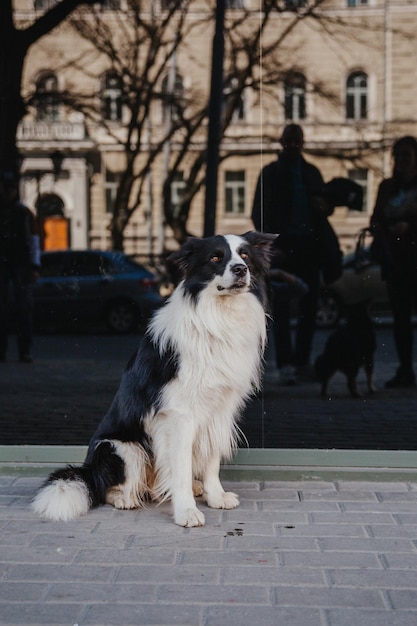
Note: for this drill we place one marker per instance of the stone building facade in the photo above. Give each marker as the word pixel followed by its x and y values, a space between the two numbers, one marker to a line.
pixel 351 83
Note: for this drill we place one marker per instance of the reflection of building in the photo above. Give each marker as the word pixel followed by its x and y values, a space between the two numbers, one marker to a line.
pixel 351 85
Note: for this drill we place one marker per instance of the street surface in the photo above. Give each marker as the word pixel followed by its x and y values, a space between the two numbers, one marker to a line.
pixel 64 393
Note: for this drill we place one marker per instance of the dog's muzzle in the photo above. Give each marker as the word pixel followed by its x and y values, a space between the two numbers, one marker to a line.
pixel 239 278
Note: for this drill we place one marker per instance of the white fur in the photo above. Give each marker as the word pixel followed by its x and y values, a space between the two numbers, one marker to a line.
pixel 62 500
pixel 220 341
pixel 131 494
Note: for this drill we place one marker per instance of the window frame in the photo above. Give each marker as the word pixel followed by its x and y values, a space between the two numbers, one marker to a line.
pixel 295 97
pixel 360 176
pixel 47 100
pixel 111 97
pixel 357 96
pixel 234 193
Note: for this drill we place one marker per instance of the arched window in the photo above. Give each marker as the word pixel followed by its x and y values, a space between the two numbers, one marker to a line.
pixel 47 98
pixel 111 96
pixel 44 4
pixel 295 97
pixel 110 5
pixel 172 96
pixel 357 96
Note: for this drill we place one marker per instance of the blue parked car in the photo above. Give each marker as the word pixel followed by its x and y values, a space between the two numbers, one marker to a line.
pixel 94 286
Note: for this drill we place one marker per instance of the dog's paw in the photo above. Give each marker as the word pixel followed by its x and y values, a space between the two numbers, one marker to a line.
pixel 190 518
pixel 198 489
pixel 225 500
pixel 353 388
pixel 117 498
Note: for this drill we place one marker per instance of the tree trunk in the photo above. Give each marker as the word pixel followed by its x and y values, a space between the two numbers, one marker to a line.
pixel 12 108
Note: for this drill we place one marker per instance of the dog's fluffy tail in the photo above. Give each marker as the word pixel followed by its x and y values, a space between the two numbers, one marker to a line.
pixel 66 495
pixel 70 492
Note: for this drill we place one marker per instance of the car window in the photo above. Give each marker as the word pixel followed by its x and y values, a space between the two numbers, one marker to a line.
pixel 89 264
pixel 126 264
pixel 76 264
pixel 54 264
pixel 84 264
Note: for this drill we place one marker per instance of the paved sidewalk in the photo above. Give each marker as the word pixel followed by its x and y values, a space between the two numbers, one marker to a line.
pixel 293 554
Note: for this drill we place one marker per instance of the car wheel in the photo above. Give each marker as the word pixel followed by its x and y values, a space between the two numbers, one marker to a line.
pixel 329 311
pixel 122 317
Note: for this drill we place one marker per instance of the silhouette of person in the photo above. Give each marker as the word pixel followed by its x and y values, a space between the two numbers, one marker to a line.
pixel 289 200
pixel 394 226
pixel 19 264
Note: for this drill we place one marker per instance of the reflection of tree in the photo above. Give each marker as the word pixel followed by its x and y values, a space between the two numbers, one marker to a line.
pixel 143 48
pixel 15 45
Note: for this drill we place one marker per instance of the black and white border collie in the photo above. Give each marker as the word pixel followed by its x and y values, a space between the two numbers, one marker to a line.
pixel 174 416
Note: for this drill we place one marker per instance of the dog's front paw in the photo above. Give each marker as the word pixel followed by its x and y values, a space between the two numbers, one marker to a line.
pixel 225 500
pixel 189 518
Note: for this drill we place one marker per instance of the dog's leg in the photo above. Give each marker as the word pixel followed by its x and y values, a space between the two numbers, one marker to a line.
pixel 353 386
pixel 214 494
pixel 323 390
pixel 185 510
pixel 369 373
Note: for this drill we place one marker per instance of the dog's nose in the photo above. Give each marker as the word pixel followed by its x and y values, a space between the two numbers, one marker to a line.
pixel 240 270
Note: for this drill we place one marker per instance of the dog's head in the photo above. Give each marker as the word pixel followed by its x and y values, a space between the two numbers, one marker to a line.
pixel 229 264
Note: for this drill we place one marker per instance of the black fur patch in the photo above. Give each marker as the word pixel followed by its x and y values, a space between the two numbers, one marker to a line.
pixel 138 394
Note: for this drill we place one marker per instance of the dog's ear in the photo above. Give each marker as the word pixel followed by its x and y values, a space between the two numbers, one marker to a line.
pixel 180 259
pixel 262 244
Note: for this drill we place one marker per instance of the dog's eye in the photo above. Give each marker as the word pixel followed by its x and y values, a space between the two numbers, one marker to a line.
pixel 244 255
pixel 217 257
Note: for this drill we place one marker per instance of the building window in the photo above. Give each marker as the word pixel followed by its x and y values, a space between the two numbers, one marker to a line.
pixel 42 5
pixel 47 98
pixel 169 5
pixel 234 4
pixel 110 5
pixel 111 97
pixel 295 97
pixel 360 176
pixel 177 193
pixel 357 96
pixel 356 3
pixel 293 5
pixel 172 97
pixel 235 193
pixel 111 185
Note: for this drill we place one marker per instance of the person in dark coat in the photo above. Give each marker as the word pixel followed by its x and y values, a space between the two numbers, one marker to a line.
pixel 290 200
pixel 19 264
pixel 394 226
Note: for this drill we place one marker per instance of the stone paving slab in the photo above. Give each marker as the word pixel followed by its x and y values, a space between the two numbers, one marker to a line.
pixel 302 553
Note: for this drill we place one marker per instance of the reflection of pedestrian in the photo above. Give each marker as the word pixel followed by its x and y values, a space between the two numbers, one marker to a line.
pixel 289 201
pixel 286 286
pixel 19 264
pixel 394 225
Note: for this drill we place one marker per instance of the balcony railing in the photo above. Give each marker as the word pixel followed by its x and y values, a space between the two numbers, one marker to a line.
pixel 51 131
